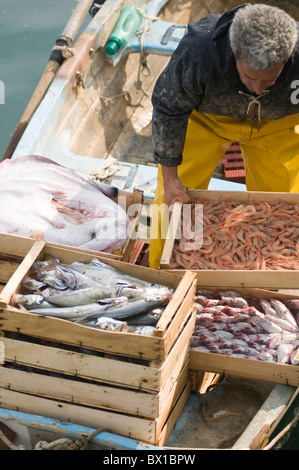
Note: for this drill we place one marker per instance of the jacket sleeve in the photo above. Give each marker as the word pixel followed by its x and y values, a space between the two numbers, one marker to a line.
pixel 177 92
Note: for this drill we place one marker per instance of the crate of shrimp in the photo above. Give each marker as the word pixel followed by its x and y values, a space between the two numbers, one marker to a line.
pixel 249 333
pixel 96 341
pixel 235 238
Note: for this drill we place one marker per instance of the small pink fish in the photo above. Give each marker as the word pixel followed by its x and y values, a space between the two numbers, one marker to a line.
pixel 283 353
pixel 237 302
pixel 294 359
pixel 266 325
pixel 244 327
pixel 266 306
pixel 265 356
pixel 283 324
pixel 283 311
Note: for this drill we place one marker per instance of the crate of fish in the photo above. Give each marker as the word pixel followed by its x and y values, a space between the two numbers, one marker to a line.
pixel 249 333
pixel 235 238
pixel 97 341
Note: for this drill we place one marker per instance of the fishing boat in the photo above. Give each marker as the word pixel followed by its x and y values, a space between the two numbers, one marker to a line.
pixel 95 116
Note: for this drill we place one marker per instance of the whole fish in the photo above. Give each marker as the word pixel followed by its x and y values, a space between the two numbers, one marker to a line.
pixel 294 358
pixel 137 307
pixel 30 301
pixel 106 323
pixel 283 311
pixel 64 205
pixel 75 313
pixel 283 353
pixel 234 301
pixel 106 274
pixel 265 324
pixel 144 330
pixel 267 307
pixel 252 339
pixel 284 324
pixel 265 356
pixel 75 279
pixel 241 326
pixel 90 295
pixel 148 319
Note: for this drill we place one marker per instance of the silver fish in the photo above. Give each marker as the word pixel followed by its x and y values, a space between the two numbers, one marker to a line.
pixel 72 313
pixel 105 323
pixel 144 330
pixel 137 307
pixel 75 279
pixel 99 271
pixel 90 295
pixel 30 301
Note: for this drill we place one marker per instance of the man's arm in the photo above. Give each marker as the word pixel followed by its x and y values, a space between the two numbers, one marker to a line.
pixel 173 188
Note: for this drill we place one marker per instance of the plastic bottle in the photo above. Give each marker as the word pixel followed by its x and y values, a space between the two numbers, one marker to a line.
pixel 127 25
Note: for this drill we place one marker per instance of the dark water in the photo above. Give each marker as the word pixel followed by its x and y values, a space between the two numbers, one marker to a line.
pixel 28 31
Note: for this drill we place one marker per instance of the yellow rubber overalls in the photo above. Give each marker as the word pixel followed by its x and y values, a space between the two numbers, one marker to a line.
pixel 270 154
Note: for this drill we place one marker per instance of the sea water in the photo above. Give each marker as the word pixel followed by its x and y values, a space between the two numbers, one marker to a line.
pixel 28 31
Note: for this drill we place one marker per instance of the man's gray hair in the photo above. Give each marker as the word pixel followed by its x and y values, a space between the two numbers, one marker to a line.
pixel 263 36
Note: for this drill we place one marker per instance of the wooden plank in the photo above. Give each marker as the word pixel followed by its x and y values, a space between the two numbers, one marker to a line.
pixel 14 282
pixel 62 331
pixel 83 393
pixel 169 313
pixel 186 311
pixel 174 223
pixel 177 357
pixel 244 196
pixel 7 269
pixel 248 368
pixel 168 396
pixel 101 369
pixel 123 424
pixel 15 245
pixel 167 428
pixel 245 278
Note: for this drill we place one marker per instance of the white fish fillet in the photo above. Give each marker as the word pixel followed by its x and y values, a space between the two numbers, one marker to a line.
pixel 39 196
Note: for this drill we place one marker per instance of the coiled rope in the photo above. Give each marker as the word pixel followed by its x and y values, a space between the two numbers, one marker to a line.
pixel 68 443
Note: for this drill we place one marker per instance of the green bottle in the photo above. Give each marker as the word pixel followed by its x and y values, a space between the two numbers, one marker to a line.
pixel 127 25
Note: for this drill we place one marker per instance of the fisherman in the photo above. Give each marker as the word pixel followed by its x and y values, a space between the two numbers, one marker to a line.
pixel 233 77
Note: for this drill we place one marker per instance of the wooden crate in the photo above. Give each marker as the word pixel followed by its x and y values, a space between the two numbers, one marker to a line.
pixel 134 385
pixel 242 367
pixel 266 279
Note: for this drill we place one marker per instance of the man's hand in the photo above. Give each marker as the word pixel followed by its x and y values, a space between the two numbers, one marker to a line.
pixel 173 188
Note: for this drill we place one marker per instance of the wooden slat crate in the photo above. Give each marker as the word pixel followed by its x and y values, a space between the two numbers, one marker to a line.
pixel 135 385
pixel 243 367
pixel 266 279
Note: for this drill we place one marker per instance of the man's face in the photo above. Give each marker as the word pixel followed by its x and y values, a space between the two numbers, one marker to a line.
pixel 257 81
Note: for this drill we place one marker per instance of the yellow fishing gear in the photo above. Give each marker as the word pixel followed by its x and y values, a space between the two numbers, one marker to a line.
pixel 270 153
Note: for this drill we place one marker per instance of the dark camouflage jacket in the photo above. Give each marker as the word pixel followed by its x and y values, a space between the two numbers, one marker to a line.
pixel 202 75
